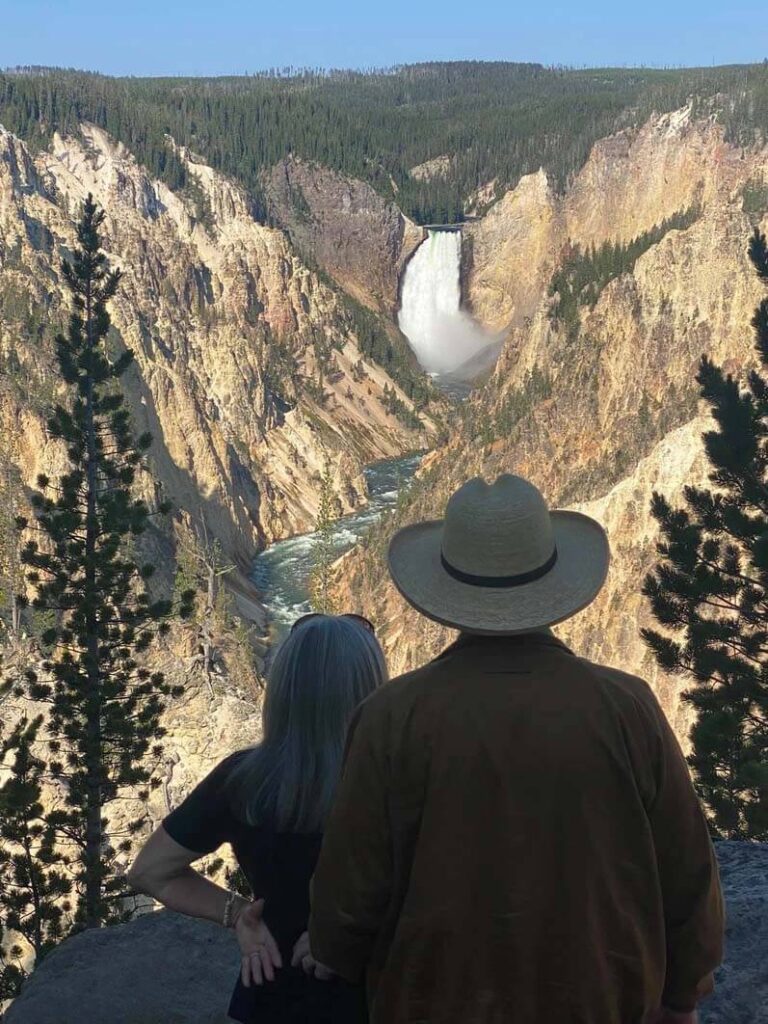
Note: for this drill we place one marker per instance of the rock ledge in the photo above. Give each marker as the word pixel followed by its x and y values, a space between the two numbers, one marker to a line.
pixel 166 969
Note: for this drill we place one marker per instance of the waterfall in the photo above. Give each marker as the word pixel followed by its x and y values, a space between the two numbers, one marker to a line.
pixel 441 334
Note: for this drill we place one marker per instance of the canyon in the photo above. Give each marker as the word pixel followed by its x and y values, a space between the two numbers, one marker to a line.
pixel 231 330
pixel 272 354
pixel 251 370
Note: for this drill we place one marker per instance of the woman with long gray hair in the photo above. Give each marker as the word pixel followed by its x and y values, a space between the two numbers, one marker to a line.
pixel 270 803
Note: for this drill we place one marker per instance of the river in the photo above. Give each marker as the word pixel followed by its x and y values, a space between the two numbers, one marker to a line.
pixel 448 344
pixel 282 571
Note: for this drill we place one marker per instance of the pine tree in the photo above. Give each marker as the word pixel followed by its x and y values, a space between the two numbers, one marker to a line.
pixel 104 703
pixel 324 551
pixel 34 879
pixel 710 592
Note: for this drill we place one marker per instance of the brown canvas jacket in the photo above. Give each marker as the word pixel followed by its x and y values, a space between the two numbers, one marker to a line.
pixel 516 840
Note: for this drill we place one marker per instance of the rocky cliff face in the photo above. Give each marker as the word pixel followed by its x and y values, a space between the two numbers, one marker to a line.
pixel 508 256
pixel 357 237
pixel 244 355
pixel 601 412
pixel 609 630
pixel 631 182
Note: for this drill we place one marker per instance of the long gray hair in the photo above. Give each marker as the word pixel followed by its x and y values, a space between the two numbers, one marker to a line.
pixel 319 675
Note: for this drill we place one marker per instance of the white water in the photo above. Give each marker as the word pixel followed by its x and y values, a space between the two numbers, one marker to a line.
pixel 282 572
pixel 441 334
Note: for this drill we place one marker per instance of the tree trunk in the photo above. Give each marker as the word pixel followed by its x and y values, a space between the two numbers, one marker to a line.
pixel 36 930
pixel 93 751
pixel 208 622
pixel 15 615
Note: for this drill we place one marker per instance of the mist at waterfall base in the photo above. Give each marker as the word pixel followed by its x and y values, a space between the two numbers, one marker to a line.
pixel 446 340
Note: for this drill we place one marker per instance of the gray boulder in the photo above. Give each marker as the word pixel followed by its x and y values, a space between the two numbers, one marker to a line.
pixel 741 992
pixel 166 969
pixel 161 968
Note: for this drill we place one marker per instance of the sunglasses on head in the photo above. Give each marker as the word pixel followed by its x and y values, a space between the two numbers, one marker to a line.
pixel 359 619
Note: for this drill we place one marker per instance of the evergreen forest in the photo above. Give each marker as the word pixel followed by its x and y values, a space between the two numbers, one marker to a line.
pixel 490 122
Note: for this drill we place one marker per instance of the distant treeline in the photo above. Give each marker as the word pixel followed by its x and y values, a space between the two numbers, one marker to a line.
pixel 493 120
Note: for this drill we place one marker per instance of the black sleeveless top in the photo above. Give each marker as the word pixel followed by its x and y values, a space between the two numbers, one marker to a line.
pixel 278 866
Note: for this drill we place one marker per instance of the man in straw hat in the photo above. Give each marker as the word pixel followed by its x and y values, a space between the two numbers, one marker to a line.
pixel 515 839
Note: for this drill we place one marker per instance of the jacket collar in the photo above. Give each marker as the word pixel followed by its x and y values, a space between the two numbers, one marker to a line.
pixel 544 638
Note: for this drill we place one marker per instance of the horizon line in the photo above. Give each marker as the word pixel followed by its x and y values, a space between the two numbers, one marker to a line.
pixel 288 71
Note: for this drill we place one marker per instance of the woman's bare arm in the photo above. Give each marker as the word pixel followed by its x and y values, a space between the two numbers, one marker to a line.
pixel 163 870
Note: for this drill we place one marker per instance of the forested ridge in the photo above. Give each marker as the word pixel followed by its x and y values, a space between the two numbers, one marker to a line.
pixel 494 121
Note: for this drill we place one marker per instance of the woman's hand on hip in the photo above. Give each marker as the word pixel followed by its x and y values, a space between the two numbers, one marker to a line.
pixel 258 949
pixel 302 955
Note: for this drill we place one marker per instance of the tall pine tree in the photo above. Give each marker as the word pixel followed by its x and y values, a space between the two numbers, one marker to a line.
pixel 710 593
pixel 104 702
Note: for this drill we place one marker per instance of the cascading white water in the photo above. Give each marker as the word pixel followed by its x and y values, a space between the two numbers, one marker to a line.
pixel 441 334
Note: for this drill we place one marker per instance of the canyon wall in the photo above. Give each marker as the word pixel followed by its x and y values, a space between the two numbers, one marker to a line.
pixel 632 181
pixel 360 239
pixel 244 356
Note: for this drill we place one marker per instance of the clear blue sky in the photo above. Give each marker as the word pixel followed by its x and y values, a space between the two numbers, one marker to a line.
pixel 191 37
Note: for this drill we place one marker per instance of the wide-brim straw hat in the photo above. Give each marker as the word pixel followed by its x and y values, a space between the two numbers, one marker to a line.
pixel 500 562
